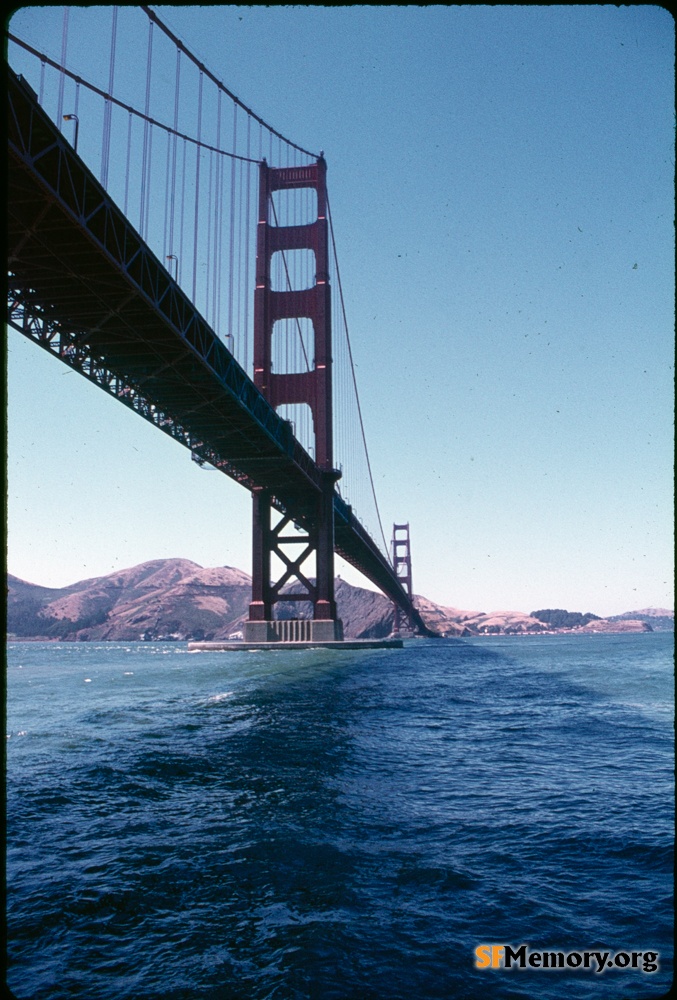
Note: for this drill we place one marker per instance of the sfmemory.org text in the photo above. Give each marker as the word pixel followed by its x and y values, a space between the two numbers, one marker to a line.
pixel 504 956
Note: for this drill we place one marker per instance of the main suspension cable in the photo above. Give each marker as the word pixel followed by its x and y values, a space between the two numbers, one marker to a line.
pixel 352 370
pixel 181 45
pixel 121 104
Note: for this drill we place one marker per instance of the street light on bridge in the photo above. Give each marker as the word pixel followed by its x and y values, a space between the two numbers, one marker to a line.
pixel 172 256
pixel 74 118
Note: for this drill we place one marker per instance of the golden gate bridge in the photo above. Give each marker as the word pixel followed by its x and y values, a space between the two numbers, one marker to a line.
pixel 146 201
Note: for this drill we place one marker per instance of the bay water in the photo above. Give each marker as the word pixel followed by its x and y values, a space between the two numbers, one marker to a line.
pixel 321 825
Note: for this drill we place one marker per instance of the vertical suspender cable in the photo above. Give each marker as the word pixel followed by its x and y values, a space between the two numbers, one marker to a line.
pixel 217 220
pixel 62 78
pixel 172 183
pixel 148 181
pixel 239 252
pixel 232 225
pixel 165 228
pixel 242 257
pixel 221 285
pixel 149 60
pixel 108 107
pixel 208 267
pixel 183 205
pixel 248 168
pixel 197 185
pixel 167 193
pixel 129 151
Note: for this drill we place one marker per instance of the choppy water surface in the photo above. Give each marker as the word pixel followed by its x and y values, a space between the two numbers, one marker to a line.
pixel 338 826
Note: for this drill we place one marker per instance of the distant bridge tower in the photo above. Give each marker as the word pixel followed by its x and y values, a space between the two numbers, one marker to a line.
pixel 402 567
pixel 313 387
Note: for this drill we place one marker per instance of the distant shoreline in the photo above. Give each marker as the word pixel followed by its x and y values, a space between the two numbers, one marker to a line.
pixel 177 600
pixel 578 633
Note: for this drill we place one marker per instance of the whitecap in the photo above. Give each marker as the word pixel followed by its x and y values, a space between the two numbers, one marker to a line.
pixel 88 680
pixel 128 673
pixel 221 697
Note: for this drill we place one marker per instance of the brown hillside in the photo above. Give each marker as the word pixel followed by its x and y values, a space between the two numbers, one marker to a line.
pixel 178 599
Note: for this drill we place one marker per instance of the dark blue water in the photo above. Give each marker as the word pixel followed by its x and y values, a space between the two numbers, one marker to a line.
pixel 338 826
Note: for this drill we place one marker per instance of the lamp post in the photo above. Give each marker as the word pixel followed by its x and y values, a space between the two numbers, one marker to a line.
pixel 74 118
pixel 172 256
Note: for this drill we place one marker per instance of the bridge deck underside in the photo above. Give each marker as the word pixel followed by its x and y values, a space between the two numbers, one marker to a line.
pixel 84 285
pixel 101 313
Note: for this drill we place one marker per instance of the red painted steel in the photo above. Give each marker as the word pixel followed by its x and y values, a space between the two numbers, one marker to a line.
pixel 313 387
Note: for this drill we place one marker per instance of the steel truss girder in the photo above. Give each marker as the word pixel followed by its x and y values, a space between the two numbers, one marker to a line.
pixel 24 317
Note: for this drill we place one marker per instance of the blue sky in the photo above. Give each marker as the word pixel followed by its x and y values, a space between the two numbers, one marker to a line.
pixel 501 181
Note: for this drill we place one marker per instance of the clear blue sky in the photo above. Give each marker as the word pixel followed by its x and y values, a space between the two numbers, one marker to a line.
pixel 501 182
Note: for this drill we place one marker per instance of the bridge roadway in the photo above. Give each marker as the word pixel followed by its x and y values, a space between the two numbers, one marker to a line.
pixel 85 286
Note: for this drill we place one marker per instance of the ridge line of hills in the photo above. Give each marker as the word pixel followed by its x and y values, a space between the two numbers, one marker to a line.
pixel 176 599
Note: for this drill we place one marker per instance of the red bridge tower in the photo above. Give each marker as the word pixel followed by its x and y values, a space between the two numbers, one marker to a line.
pixel 402 567
pixel 313 387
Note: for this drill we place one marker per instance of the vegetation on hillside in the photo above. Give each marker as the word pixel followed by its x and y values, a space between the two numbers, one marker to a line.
pixel 559 618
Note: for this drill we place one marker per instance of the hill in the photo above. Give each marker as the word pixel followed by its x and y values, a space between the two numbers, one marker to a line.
pixel 178 599
pixel 165 598
pixel 660 619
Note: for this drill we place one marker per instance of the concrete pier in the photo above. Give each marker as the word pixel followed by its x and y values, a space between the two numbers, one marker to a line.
pixel 239 646
pixel 294 630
